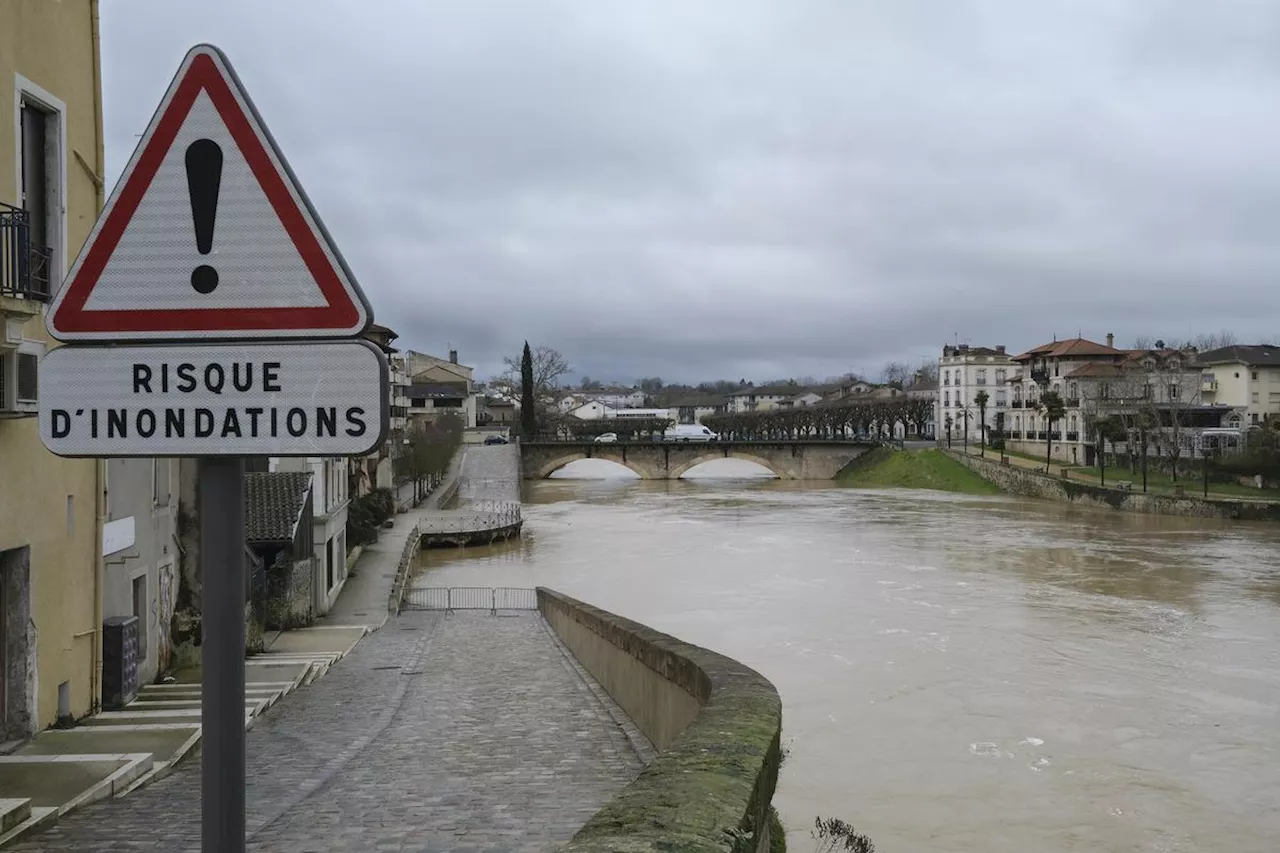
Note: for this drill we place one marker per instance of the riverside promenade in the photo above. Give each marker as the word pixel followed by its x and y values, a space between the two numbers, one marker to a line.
pixel 464 733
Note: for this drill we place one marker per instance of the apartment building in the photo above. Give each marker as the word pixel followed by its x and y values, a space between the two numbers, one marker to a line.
pixel 963 371
pixel 1245 379
pixel 1098 380
pixel 50 508
pixel 440 386
pixel 760 399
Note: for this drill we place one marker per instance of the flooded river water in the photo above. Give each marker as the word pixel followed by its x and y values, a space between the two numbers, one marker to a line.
pixel 958 674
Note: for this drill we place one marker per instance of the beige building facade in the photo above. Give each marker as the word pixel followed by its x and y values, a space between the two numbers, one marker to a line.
pixel 51 163
pixel 1245 379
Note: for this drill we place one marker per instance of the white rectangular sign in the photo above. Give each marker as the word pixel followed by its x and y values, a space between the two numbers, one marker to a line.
pixel 324 398
pixel 117 535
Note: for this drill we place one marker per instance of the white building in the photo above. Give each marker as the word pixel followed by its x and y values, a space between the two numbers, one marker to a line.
pixel 595 410
pixel 963 371
pixel 330 501
pixel 616 398
pixel 1245 379
pixel 760 399
pixel 1098 380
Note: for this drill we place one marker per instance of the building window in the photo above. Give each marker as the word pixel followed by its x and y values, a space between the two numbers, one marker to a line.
pixel 1000 377
pixel 982 376
pixel 1104 390
pixel 42 141
pixel 946 377
pixel 960 400
pixel 1254 395
pixel 1254 375
pixel 1000 399
pixel 1253 417
pixel 946 399
pixel 140 610
pixel 1173 392
pixel 1074 391
pixel 1017 423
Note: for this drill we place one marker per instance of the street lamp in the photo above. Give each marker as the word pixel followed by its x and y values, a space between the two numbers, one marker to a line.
pixel 949 422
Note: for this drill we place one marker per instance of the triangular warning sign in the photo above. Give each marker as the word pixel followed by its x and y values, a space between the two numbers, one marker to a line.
pixel 208 234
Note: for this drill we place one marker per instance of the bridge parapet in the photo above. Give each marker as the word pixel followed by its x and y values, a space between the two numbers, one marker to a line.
pixel 801 459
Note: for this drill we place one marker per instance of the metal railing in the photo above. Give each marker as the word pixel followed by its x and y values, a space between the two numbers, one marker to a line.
pixel 454 598
pixel 473 517
pixel 24 267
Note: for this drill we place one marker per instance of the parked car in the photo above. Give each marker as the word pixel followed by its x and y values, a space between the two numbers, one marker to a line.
pixel 689 432
pixel 607 438
pixel 495 439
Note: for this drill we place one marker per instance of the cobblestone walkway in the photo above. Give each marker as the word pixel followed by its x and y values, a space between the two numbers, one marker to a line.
pixel 490 472
pixel 462 733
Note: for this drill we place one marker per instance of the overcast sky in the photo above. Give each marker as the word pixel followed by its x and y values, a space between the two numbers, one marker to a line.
pixel 739 188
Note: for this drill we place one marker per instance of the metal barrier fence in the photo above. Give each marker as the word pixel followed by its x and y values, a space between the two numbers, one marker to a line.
pixel 452 598
pixel 474 517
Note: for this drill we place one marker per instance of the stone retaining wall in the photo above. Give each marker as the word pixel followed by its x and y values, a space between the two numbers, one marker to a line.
pixel 289 602
pixel 715 722
pixel 1024 481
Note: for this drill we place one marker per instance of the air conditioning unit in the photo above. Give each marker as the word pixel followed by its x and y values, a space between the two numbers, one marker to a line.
pixel 19 384
pixel 13 331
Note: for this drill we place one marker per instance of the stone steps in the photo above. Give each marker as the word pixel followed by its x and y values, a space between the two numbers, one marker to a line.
pixel 13 812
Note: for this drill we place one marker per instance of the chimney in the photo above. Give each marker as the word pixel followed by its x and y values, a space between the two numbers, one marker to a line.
pixel 1111 340
pixel 453 356
pixel 1000 349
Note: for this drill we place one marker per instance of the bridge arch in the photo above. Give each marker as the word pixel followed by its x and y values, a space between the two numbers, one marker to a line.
pixel 549 468
pixel 684 467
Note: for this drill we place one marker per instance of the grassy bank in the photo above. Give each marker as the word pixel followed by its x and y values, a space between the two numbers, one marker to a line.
pixel 916 469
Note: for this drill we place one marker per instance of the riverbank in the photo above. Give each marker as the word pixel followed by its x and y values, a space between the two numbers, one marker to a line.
pixel 1019 479
pixel 914 469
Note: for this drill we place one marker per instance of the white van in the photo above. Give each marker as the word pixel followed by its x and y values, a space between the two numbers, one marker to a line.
pixel 689 432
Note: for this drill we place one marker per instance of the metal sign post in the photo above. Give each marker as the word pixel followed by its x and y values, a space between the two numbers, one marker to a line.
pixel 220 335
pixel 222 712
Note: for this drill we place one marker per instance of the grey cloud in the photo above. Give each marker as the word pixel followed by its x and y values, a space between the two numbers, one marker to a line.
pixel 755 188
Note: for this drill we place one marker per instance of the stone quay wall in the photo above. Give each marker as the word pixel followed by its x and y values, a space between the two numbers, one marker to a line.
pixel 1024 481
pixel 716 725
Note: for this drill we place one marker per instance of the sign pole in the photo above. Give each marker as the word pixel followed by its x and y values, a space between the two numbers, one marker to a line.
pixel 222 572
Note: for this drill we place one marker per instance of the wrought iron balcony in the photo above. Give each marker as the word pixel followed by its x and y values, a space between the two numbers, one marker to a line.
pixel 1040 377
pixel 1016 404
pixel 1072 402
pixel 1073 436
pixel 24 268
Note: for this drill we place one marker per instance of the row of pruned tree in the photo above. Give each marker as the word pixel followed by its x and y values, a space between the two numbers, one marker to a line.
pixel 837 419
pixel 569 428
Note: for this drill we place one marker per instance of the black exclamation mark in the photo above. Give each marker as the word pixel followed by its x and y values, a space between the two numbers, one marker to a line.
pixel 204 177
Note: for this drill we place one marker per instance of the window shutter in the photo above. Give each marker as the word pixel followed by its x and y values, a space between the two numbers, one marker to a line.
pixel 28 371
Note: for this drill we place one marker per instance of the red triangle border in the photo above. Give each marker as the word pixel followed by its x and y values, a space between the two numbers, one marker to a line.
pixel 340 315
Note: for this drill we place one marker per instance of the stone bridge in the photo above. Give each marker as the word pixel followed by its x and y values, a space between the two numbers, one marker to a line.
pixel 668 460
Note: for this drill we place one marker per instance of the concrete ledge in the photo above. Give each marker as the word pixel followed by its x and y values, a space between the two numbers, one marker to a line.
pixel 715 722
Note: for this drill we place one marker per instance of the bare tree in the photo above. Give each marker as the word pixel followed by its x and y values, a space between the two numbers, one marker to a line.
pixel 928 371
pixel 896 373
pixel 1170 388
pixel 549 366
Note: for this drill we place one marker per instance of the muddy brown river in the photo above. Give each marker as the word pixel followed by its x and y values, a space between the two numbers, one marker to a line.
pixel 958 674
